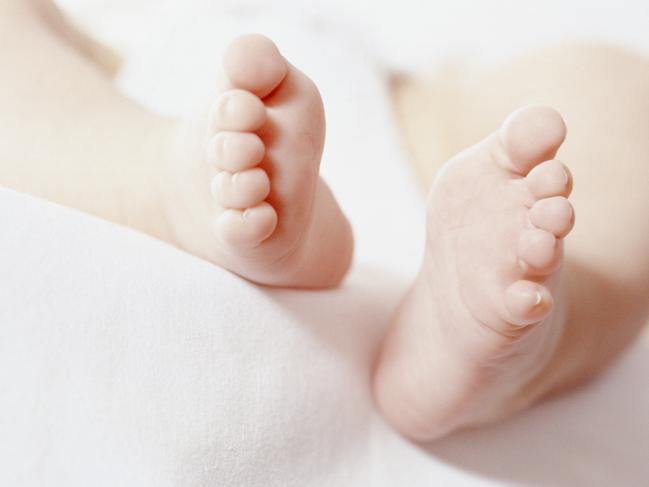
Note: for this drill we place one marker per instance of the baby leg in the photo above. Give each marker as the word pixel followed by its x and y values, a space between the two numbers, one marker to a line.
pixel 601 297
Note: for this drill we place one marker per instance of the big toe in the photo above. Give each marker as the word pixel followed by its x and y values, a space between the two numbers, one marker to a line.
pixel 532 135
pixel 252 62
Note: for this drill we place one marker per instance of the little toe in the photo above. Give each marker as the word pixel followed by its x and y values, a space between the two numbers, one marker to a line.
pixel 248 228
pixel 539 251
pixel 527 302
pixel 238 110
pixel 235 151
pixel 550 178
pixel 242 189
pixel 253 62
pixel 554 215
pixel 530 136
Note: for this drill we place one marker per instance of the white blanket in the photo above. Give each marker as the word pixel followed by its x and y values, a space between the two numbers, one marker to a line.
pixel 125 362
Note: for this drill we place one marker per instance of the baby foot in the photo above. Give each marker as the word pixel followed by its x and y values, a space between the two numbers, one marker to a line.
pixel 255 203
pixel 485 315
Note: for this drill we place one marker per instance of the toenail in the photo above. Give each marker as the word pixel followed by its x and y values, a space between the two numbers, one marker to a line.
pixel 537 250
pixel 224 104
pixel 571 212
pixel 528 302
pixel 216 150
pixel 218 182
pixel 566 178
pixel 531 299
pixel 223 143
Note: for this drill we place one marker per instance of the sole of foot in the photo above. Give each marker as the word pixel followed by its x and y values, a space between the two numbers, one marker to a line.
pixel 248 196
pixel 485 314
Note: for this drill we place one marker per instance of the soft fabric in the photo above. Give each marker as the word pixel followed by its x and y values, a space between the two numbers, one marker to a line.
pixel 406 34
pixel 124 361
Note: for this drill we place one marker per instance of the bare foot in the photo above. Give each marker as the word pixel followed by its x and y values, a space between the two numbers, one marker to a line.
pixel 485 315
pixel 245 191
pixel 237 185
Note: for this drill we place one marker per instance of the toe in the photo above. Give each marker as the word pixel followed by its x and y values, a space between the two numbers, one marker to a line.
pixel 253 62
pixel 235 151
pixel 539 251
pixel 530 136
pixel 551 178
pixel 554 215
pixel 527 302
pixel 242 189
pixel 238 110
pixel 236 228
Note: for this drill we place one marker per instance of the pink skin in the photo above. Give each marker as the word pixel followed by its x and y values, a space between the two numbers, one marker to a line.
pixel 242 190
pixel 484 317
pixel 257 205
pixel 476 338
pixel 481 321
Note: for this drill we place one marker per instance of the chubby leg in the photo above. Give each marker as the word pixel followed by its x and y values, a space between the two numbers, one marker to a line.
pixel 601 300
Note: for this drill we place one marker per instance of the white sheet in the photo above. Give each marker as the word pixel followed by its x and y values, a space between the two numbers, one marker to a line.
pixel 416 34
pixel 126 362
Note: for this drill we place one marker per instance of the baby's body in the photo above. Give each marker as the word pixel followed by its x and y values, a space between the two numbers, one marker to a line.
pixel 493 322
